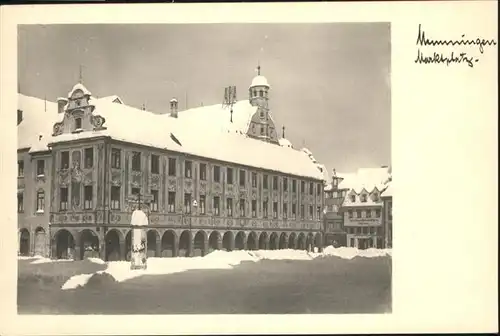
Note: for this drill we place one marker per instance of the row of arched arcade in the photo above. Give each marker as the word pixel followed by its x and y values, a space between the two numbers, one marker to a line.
pixel 34 243
pixel 116 243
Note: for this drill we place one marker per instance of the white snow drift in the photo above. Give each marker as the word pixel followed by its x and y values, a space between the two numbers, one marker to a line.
pixel 120 270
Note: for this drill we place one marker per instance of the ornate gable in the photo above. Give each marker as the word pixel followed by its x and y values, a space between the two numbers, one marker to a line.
pixel 78 113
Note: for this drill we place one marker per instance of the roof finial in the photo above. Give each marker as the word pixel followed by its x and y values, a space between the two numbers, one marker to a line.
pixel 283 136
pixel 80 76
pixel 258 68
pixel 143 106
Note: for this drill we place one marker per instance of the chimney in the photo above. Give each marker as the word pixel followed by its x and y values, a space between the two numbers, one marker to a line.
pixel 173 108
pixel 61 103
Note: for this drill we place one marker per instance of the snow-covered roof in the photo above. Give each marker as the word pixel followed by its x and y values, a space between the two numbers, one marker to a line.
pixel 39 117
pixel 204 131
pixel 218 117
pixel 81 87
pixel 259 81
pixel 364 178
pixel 388 191
pixel 113 98
pixel 285 143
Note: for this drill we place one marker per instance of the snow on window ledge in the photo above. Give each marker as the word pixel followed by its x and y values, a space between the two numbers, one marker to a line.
pixel 40 211
pixel 78 130
pixel 40 175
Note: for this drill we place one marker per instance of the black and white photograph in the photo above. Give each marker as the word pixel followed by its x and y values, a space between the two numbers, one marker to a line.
pixel 218 168
pixel 204 169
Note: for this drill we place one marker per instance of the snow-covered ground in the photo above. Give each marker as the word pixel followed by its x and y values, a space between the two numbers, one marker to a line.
pixel 120 270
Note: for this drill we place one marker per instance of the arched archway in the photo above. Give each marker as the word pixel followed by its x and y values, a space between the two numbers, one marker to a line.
pixel 273 241
pixel 168 244
pixel 24 242
pixel 199 248
pixel 310 242
pixel 252 241
pixel 65 244
pixel 113 250
pixel 239 241
pixel 89 244
pixel 283 244
pixel 40 242
pixel 291 240
pixel 128 245
pixel 318 241
pixel 185 244
pixel 263 241
pixel 301 241
pixel 228 241
pixel 153 239
pixel 213 241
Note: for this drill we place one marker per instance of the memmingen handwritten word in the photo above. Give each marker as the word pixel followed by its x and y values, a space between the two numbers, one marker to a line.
pixel 454 56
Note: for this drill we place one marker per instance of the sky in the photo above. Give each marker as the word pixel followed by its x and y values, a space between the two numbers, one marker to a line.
pixel 330 82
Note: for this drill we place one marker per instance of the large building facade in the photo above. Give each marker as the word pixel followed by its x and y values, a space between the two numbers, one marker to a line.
pixel 334 233
pixel 214 177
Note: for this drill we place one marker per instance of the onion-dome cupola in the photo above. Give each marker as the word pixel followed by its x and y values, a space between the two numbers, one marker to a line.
pixel 258 91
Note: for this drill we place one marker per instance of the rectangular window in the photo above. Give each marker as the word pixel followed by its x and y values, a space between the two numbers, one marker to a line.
pixel 275 209
pixel 311 188
pixel 63 199
pixel 311 212
pixel 115 198
pixel 242 178
pixel 136 191
pixel 349 213
pixel 65 160
pixel 318 189
pixel 216 205
pixel 20 168
pixel 275 182
pixel 216 174
pixel 171 201
pixel 78 123
pixel 294 185
pixel 302 211
pixel 285 184
pixel 389 210
pixel 136 161
pixel 116 158
pixel 154 202
pixel 264 181
pixel 368 214
pixel 89 157
pixel 172 163
pixel 254 180
pixel 377 213
pixel 352 243
pixel 264 209
pixel 318 212
pixel 187 203
pixel 358 214
pixel 229 205
pixel 20 202
pixel 40 167
pixel 40 201
pixel 229 176
pixel 285 210
pixel 87 197
pixel 203 204
pixel 155 164
pixel 188 169
pixel 254 208
pixel 294 211
pixel 302 187
pixel 203 171
pixel 242 207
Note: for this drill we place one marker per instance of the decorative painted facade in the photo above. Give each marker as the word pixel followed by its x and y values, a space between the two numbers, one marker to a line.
pixel 96 176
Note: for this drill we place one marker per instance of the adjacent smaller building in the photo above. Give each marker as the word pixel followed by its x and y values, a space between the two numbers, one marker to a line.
pixel 362 207
pixel 334 232
pixel 387 215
